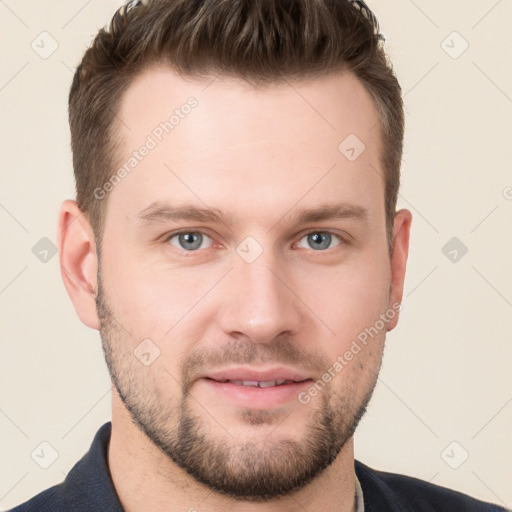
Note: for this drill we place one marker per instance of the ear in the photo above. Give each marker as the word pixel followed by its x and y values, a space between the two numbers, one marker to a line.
pixel 401 231
pixel 78 261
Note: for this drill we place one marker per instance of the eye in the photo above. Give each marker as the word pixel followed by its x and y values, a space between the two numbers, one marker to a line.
pixel 189 240
pixel 319 240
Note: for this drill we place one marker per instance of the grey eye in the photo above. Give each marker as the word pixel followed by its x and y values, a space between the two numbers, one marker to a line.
pixel 191 241
pixel 319 240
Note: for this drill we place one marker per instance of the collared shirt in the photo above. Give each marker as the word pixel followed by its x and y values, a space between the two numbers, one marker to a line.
pixel 359 496
pixel 89 488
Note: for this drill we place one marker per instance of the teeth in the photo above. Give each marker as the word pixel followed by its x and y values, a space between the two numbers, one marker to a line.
pixel 259 384
pixel 250 383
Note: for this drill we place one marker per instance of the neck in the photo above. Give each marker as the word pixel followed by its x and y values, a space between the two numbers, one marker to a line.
pixel 146 479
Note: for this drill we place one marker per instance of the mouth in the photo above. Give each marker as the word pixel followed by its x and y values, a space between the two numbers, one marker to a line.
pixel 259 383
pixel 252 388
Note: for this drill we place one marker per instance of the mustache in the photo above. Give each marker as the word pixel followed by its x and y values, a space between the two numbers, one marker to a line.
pixel 280 351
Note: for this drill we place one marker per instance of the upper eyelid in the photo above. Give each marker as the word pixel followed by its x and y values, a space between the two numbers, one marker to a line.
pixel 172 234
pixel 330 231
pixel 343 239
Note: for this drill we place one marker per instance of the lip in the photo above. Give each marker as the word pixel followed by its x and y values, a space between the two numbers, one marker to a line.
pixel 250 397
pixel 212 388
pixel 262 375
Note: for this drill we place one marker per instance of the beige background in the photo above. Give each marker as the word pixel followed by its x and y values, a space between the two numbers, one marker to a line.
pixel 446 372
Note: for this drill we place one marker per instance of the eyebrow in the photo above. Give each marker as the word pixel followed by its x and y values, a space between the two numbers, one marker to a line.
pixel 159 212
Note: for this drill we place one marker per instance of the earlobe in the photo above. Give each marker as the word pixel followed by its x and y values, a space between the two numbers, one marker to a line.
pixel 401 232
pixel 78 261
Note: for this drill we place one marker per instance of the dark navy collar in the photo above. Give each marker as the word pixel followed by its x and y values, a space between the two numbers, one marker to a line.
pixel 89 485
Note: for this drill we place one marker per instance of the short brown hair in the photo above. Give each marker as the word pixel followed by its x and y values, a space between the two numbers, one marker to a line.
pixel 260 41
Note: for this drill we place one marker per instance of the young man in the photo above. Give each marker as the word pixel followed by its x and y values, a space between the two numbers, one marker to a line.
pixel 235 241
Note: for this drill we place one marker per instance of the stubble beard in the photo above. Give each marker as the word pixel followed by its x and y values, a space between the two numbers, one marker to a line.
pixel 243 470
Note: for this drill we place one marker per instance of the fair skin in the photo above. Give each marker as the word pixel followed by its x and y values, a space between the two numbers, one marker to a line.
pixel 259 156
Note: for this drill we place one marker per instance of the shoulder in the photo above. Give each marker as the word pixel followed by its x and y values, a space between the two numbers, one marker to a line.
pixel 88 486
pixel 404 493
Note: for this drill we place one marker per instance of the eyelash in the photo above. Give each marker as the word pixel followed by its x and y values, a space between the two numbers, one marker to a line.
pixel 342 240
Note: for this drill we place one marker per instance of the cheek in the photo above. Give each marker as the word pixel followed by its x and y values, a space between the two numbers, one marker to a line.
pixel 349 298
pixel 150 301
pixel 352 301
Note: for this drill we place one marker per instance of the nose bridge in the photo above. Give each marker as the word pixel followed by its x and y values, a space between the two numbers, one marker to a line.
pixel 258 304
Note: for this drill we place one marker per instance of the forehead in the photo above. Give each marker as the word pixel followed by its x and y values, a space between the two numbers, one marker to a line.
pixel 225 143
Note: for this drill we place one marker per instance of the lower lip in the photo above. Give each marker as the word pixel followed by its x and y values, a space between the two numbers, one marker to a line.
pixel 254 397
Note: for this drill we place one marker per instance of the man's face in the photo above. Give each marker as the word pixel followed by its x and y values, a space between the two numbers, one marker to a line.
pixel 257 294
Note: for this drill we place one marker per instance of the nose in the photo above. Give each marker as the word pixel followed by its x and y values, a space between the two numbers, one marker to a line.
pixel 260 303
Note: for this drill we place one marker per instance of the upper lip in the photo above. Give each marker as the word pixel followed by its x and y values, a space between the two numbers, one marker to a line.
pixel 253 374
